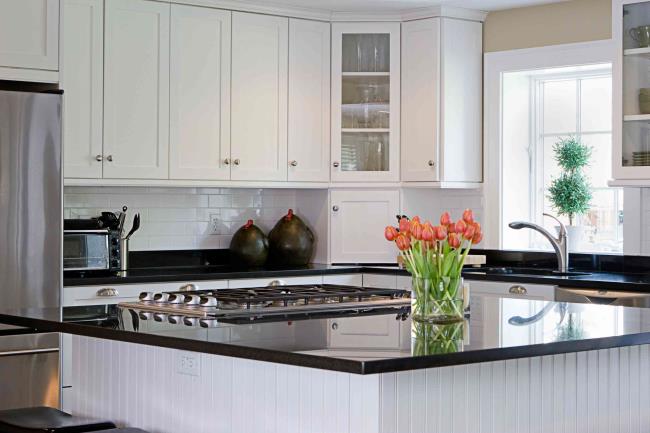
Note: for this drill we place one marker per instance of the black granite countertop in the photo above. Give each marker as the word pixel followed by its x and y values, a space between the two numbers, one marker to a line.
pixel 596 280
pixel 499 329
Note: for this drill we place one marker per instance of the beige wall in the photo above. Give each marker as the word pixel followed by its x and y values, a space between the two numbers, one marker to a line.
pixel 551 24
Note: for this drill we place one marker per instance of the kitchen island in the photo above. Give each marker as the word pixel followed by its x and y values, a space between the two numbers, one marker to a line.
pixel 515 365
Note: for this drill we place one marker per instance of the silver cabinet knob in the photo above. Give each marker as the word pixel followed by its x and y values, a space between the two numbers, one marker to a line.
pixel 293 163
pixel 108 292
pixel 336 164
pixel 431 163
pixel 335 208
pixel 335 326
pixel 109 158
pixel 99 158
pixel 236 162
pixel 518 290
pixel 226 161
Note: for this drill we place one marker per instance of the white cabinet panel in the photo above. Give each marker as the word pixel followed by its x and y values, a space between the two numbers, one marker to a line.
pixel 309 101
pixel 259 97
pixel 380 281
pixel 29 34
pixel 372 332
pixel 199 93
pixel 82 36
pixel 358 220
pixel 420 99
pixel 136 96
pixel 345 279
pixel 462 100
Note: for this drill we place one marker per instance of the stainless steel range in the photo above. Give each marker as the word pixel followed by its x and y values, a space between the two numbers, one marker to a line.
pixel 206 307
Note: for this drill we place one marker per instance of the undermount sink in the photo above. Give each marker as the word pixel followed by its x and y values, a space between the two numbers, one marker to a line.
pixel 524 271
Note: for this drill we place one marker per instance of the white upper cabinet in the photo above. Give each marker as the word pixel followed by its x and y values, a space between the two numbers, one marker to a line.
pixel 259 97
pixel 365 102
pixel 309 101
pixel 358 219
pixel 631 80
pixel 82 37
pixel 200 93
pixel 29 34
pixel 442 101
pixel 136 89
pixel 420 100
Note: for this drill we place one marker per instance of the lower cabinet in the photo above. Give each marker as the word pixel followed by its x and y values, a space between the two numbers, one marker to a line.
pixel 358 219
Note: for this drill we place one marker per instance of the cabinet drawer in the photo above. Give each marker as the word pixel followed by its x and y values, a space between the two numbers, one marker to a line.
pixel 99 295
pixel 263 282
pixel 513 289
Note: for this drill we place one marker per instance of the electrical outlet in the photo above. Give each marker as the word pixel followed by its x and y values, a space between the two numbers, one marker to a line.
pixel 215 224
pixel 189 363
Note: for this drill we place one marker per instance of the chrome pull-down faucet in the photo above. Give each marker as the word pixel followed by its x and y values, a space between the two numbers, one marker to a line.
pixel 560 244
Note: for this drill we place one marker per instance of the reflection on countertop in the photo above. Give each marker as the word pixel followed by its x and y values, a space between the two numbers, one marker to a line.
pixel 498 329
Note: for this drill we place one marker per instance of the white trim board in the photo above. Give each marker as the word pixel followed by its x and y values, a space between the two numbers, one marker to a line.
pixel 495 65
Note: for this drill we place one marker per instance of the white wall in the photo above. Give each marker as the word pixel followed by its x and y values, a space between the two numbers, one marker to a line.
pixel 179 218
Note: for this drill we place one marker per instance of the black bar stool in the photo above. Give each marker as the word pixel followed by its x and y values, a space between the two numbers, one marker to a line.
pixel 48 420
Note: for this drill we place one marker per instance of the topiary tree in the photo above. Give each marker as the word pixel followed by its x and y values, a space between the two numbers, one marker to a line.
pixel 570 193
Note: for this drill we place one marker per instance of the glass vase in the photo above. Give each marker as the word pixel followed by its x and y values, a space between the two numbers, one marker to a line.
pixel 437 300
pixel 436 339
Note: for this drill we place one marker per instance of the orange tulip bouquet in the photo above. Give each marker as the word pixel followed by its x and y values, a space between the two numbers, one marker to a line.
pixel 434 256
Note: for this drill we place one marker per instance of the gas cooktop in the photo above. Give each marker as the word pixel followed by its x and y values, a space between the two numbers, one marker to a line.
pixel 201 306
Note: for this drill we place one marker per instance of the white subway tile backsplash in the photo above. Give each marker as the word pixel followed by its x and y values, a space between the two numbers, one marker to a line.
pixel 180 218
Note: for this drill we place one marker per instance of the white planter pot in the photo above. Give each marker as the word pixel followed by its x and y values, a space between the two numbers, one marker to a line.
pixel 575 235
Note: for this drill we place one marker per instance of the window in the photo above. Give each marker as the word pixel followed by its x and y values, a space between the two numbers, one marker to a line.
pixel 540 108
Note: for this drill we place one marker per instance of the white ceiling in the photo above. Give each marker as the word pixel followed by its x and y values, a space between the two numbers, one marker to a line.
pixel 403 5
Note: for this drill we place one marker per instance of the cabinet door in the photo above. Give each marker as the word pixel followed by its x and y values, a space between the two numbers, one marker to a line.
pixel 309 101
pixel 259 97
pixel 372 332
pixel 365 101
pixel 358 220
pixel 462 100
pixel 199 93
pixel 420 100
pixel 136 96
pixel 29 34
pixel 82 36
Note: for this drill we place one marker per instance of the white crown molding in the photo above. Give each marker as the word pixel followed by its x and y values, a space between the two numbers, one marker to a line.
pixel 271 8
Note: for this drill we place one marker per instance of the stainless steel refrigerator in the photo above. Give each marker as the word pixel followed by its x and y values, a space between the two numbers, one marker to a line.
pixel 30 240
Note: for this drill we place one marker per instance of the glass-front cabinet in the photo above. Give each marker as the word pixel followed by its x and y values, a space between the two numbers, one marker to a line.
pixel 631 152
pixel 365 102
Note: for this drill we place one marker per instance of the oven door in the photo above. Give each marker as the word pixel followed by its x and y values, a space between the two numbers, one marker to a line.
pixel 85 250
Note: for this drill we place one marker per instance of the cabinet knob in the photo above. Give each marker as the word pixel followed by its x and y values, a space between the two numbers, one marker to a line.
pixel 518 290
pixel 109 158
pixel 335 326
pixel 108 292
pixel 226 161
pixel 293 163
pixel 336 164
pixel 99 158
pixel 335 208
pixel 236 161
pixel 431 163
